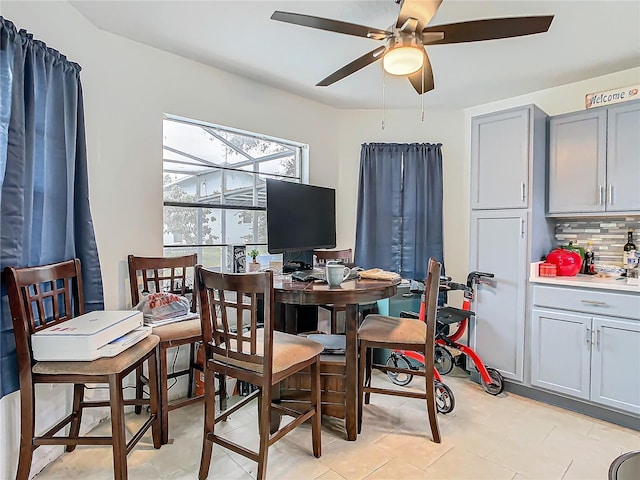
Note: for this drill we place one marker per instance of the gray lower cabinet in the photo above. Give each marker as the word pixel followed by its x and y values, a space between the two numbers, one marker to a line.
pixel 594 161
pixel 615 363
pixel 561 352
pixel 498 245
pixel 584 354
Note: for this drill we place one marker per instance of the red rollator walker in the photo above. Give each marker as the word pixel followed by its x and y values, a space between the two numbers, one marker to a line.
pixel 491 379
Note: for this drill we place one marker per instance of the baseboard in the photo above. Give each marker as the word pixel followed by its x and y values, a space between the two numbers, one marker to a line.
pixel 589 409
pixel 611 416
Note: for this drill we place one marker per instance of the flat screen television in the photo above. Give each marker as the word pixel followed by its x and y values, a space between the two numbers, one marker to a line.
pixel 300 217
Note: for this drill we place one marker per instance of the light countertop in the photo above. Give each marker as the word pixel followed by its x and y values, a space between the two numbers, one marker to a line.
pixel 584 281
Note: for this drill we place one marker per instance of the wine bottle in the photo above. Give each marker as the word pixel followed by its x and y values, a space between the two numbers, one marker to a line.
pixel 588 260
pixel 629 251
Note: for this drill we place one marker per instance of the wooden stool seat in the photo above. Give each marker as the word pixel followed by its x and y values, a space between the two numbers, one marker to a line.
pixel 288 350
pixel 171 274
pixel 185 330
pixel 382 331
pixel 385 329
pixel 253 354
pixel 46 296
pixel 101 366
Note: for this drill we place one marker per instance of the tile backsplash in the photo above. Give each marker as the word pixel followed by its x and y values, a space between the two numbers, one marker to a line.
pixel 608 235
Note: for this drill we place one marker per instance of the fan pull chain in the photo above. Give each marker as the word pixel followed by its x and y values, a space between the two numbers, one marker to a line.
pixel 422 96
pixel 382 96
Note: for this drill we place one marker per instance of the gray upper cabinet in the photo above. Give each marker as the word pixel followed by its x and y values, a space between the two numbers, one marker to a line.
pixel 623 158
pixel 594 161
pixel 500 152
pixel 577 162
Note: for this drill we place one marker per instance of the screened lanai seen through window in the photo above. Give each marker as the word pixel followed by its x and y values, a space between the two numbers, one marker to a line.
pixel 214 188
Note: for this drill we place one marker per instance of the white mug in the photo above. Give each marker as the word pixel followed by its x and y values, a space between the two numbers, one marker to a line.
pixel 336 274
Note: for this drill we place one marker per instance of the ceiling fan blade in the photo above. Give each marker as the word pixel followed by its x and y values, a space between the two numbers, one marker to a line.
pixel 490 29
pixel 416 77
pixel 330 25
pixel 421 10
pixel 357 64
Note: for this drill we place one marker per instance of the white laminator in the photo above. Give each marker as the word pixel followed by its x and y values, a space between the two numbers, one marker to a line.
pixel 81 338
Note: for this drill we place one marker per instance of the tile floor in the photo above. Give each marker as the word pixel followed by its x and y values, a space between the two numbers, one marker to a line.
pixel 505 437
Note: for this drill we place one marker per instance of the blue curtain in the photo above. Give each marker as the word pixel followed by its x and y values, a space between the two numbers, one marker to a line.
pixel 44 195
pixel 399 213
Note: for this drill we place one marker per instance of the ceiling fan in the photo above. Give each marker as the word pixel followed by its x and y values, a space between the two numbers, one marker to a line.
pixel 404 52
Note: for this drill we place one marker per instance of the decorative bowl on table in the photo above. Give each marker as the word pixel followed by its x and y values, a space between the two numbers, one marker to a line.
pixel 608 270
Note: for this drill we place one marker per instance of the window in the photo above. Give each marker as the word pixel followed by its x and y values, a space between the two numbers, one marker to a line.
pixel 214 188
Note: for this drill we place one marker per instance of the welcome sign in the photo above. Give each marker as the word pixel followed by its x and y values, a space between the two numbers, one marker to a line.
pixel 609 97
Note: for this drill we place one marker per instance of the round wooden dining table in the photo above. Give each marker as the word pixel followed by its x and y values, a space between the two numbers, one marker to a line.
pixel 351 294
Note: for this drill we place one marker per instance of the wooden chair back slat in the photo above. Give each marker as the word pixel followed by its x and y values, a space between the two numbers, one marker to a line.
pixel 162 274
pixel 42 297
pixel 226 295
pixel 432 289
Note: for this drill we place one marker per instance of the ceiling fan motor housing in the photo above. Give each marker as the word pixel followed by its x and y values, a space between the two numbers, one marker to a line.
pixel 404 54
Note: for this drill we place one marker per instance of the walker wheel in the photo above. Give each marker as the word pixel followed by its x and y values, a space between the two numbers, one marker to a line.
pixel 445 400
pixel 442 360
pixel 497 384
pixel 398 361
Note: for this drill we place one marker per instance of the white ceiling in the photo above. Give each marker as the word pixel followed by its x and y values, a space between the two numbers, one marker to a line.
pixel 586 39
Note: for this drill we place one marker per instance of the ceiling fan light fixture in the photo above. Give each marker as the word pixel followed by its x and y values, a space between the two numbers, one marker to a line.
pixel 403 60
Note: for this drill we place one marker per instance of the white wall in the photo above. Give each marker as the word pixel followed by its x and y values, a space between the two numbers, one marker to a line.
pixel 127 87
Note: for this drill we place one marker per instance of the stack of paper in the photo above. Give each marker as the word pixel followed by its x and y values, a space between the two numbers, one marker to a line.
pixel 163 321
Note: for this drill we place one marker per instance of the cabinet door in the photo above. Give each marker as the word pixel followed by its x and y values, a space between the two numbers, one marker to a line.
pixel 577 162
pixel 623 158
pixel 500 145
pixel 561 352
pixel 615 364
pixel 498 245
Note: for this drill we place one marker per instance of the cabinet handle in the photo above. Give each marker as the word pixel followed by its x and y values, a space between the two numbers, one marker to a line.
pixel 601 197
pixel 522 192
pixel 522 228
pixel 597 338
pixel 595 303
pixel 588 339
pixel 611 201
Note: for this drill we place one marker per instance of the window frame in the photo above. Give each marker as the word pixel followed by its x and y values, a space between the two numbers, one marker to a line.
pixel 301 155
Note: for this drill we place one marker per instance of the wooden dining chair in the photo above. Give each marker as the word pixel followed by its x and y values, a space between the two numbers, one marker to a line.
pixel 381 331
pixel 175 275
pixel 46 296
pixel 260 356
pixel 342 256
